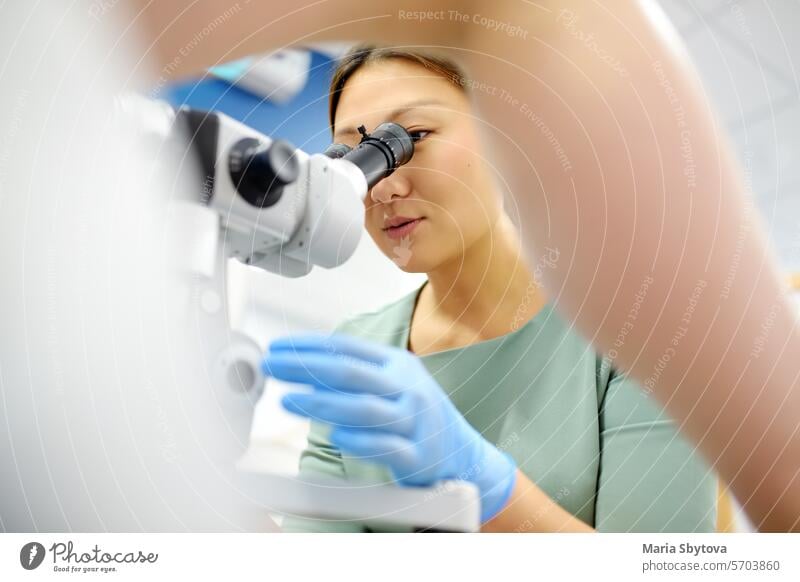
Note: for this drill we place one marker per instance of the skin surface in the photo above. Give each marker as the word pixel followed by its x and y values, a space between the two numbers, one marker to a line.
pixel 600 128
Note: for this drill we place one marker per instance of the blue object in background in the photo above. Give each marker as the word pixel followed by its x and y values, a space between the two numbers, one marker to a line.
pixel 303 121
pixel 233 70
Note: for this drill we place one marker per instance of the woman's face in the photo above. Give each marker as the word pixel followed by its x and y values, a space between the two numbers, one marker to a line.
pixel 429 212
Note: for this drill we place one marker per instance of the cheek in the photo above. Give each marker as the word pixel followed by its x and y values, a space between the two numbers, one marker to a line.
pixel 468 194
pixel 373 222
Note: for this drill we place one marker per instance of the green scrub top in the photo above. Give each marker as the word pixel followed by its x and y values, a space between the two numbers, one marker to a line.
pixel 586 435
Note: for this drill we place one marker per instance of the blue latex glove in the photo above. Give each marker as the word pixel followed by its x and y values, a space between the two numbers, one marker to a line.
pixel 386 408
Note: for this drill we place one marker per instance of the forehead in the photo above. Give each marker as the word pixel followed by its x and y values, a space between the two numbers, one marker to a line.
pixel 381 87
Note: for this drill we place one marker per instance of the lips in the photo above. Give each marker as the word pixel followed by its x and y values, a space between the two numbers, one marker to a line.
pixel 400 226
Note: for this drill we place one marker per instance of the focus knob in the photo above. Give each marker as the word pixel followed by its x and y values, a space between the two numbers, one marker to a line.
pixel 260 171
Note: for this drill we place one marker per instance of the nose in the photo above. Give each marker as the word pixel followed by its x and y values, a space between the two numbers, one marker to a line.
pixel 395 186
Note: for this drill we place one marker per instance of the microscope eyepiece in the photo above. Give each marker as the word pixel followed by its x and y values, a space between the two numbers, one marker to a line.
pixel 337 150
pixel 379 153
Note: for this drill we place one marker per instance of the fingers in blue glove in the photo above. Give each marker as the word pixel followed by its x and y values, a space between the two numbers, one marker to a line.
pixel 364 411
pixel 442 445
pixel 328 371
pixel 337 344
pixel 396 452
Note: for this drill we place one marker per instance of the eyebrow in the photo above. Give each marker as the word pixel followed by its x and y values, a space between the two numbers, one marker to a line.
pixel 395 113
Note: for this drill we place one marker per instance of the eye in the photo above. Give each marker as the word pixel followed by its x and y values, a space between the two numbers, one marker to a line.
pixel 418 134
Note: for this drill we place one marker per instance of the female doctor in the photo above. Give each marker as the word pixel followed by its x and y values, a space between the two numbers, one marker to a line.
pixel 475 376
pixel 618 91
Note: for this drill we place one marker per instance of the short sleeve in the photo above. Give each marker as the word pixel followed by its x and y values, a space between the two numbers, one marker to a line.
pixel 651 479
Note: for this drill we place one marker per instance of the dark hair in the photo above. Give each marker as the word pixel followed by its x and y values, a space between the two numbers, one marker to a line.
pixel 361 54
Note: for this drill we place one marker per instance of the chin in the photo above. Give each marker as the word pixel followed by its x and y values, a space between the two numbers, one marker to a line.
pixel 414 254
pixel 411 259
pixel 410 267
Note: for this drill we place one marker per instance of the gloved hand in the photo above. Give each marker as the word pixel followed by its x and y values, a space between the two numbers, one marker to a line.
pixel 386 408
